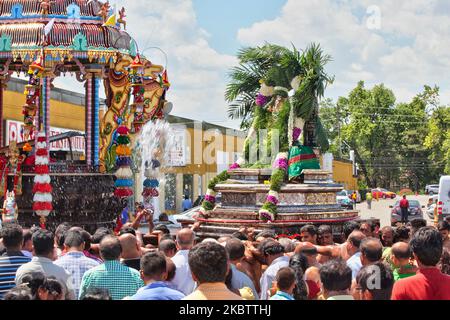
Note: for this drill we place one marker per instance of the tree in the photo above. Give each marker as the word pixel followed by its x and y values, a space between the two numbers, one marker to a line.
pixel 279 66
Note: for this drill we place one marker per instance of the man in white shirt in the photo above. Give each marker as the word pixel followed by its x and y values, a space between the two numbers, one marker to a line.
pixel 183 281
pixel 273 252
pixel 353 244
pixel 43 246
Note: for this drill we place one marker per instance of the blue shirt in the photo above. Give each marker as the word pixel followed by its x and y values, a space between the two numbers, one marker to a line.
pixel 76 263
pixel 8 269
pixel 187 204
pixel 270 275
pixel 354 263
pixel 280 295
pixel 157 291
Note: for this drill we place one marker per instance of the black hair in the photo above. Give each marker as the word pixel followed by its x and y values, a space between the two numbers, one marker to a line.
pixel 370 224
pixel 401 233
pixel 12 235
pixel 235 249
pixel 444 263
pixel 54 286
pixel 377 279
pixel 110 248
pixel 97 294
pixel 335 275
pixel 153 264
pixel 266 234
pixel 240 235
pixel 285 278
pixel 418 223
pixel 402 254
pixel 60 233
pixel 73 239
pixel 349 227
pixel 373 252
pixel 38 280
pixel 324 229
pixel 208 262
pixel 163 217
pixel 444 225
pixel 270 247
pixel 167 237
pixel 167 245
pixel 427 245
pixel 311 229
pixel 27 234
pixel 43 242
pixel 163 228
pixel 21 292
pixel 127 230
pixel 171 270
pixel 100 233
pixel 299 263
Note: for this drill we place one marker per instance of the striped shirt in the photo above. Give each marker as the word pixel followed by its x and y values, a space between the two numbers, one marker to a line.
pixel 121 281
pixel 8 269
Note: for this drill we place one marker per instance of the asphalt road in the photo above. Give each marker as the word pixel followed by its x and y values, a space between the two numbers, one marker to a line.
pixel 380 209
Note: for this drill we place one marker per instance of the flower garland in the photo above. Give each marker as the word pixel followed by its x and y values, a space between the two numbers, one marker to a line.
pixel 124 183
pixel 268 211
pixel 210 197
pixel 42 200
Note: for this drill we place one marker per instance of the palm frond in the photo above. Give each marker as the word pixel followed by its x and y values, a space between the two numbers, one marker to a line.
pixel 321 136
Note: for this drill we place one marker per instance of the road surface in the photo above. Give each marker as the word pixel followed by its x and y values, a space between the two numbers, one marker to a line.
pixel 380 209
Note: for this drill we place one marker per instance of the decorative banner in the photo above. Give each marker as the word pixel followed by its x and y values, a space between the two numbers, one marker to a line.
pixel 177 153
pixel 14 133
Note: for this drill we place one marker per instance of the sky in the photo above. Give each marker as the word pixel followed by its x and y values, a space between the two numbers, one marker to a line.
pixel 403 44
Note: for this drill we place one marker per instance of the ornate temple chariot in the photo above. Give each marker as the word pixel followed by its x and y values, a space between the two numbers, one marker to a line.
pixel 43 40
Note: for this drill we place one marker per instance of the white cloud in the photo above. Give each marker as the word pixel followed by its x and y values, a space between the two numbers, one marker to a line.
pixel 196 71
pixel 409 49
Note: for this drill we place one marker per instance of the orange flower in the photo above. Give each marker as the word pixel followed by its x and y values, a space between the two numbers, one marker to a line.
pixel 123 150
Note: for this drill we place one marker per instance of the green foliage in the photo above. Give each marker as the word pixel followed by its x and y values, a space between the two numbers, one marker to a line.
pixel 123 140
pixel 278 66
pixel 277 180
pixel 397 144
pixel 269 206
pixel 208 205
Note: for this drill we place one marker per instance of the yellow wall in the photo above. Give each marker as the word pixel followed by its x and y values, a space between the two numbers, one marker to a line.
pixel 62 115
pixel 343 173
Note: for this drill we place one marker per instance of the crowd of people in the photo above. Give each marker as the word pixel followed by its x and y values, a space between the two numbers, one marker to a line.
pixel 410 262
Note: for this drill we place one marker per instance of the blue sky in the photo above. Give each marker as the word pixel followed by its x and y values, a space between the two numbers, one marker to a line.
pixel 223 19
pixel 402 44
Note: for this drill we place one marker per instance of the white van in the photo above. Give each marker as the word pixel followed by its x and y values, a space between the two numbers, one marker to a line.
pixel 444 198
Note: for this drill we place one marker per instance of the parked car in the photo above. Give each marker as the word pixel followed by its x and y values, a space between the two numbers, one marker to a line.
pixel 380 193
pixel 443 204
pixel 432 189
pixel 414 211
pixel 343 198
pixel 186 218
